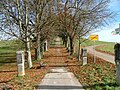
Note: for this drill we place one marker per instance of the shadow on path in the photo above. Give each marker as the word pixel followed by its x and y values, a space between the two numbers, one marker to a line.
pixel 57 87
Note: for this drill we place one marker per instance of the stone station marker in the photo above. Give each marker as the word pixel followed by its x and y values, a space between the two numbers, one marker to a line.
pixel 20 63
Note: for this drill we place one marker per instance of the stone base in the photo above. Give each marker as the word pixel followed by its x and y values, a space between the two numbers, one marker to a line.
pixel 84 60
pixel 21 71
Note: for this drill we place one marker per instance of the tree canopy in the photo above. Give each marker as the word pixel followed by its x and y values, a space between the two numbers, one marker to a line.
pixel 35 21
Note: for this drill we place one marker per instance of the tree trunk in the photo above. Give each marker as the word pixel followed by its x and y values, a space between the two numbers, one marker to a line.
pixel 41 50
pixel 38 53
pixel 35 53
pixel 29 60
pixel 63 40
pixel 46 45
pixel 79 49
pixel 38 49
pixel 71 46
pixel 66 42
pixel 27 38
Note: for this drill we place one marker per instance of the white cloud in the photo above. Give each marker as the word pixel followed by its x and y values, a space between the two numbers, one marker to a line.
pixel 106 35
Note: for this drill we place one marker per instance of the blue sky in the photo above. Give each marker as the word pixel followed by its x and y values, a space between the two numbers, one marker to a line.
pixel 105 33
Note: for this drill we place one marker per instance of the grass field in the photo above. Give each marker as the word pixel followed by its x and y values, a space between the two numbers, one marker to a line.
pixel 107 47
pixel 89 43
pixel 8 48
pixel 8 51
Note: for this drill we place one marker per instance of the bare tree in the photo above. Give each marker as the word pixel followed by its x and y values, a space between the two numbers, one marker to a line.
pixel 17 21
pixel 79 17
pixel 41 18
pixel 45 18
pixel 24 19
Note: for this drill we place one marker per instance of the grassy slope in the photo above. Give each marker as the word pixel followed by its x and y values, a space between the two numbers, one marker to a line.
pixel 105 46
pixel 109 48
pixel 8 51
pixel 89 43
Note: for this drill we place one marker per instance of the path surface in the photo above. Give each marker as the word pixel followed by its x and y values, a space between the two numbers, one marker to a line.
pixel 104 56
pixel 59 78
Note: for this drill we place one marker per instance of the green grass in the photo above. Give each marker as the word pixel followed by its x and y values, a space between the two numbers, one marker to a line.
pixel 8 51
pixel 108 46
pixel 90 43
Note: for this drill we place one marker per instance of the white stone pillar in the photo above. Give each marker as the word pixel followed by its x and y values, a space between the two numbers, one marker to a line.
pixel 84 56
pixel 20 63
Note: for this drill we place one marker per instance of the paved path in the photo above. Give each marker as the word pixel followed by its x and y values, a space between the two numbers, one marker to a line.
pixel 59 79
pixel 104 56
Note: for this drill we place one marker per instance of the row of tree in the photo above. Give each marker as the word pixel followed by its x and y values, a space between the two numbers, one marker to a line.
pixel 36 21
pixel 80 17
